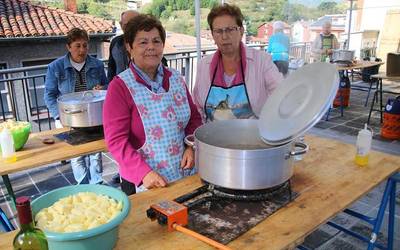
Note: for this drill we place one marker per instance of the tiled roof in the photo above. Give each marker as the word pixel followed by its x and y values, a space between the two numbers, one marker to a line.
pixel 175 42
pixel 20 18
pixel 328 18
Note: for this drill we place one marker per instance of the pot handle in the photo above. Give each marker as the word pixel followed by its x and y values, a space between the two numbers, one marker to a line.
pixel 189 140
pixel 304 148
pixel 71 112
pixel 88 94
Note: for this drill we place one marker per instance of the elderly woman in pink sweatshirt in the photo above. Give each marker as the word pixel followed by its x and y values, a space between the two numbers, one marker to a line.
pixel 147 113
pixel 234 82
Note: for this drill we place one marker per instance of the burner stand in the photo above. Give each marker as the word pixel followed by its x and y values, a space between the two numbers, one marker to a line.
pixel 77 136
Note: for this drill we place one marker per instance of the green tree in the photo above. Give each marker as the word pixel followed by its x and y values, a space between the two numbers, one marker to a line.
pixel 99 10
pixel 212 4
pixel 182 4
pixel 328 7
pixel 146 9
pixel 157 7
pixel 83 6
pixel 192 10
pixel 297 12
pixel 167 12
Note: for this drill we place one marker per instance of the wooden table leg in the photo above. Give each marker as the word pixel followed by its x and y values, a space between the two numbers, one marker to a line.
pixel 372 105
pixel 10 191
pixel 392 208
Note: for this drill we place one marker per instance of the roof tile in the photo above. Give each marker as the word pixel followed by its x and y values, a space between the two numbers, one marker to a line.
pixel 21 18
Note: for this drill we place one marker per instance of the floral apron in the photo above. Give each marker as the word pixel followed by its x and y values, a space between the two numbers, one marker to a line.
pixel 164 117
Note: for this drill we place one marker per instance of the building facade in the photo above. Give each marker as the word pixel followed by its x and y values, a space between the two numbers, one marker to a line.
pixel 32 35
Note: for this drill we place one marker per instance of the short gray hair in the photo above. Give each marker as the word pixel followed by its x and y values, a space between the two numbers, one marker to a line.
pixel 327 24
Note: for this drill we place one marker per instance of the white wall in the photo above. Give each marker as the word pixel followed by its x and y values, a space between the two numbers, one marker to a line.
pixel 374 12
pixel 297 32
pixel 355 44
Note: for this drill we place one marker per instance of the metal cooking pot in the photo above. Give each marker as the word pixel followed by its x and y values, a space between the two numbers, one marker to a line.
pixel 231 154
pixel 343 56
pixel 81 109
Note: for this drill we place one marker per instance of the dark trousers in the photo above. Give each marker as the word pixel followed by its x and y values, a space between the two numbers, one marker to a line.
pixel 283 66
pixel 128 187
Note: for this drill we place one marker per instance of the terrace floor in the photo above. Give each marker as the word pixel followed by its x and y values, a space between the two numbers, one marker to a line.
pixel 41 180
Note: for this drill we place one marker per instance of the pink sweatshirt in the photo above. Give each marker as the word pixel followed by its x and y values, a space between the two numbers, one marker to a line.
pixel 261 77
pixel 123 127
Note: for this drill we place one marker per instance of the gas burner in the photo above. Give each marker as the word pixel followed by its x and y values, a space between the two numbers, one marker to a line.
pixel 77 136
pixel 249 195
pixel 210 192
pixel 223 214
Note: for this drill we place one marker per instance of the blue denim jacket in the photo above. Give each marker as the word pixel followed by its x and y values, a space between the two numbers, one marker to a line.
pixel 60 79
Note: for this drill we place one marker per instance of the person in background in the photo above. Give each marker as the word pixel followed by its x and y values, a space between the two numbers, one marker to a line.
pixel 324 44
pixel 235 81
pixel 118 58
pixel 76 71
pixel 278 47
pixel 147 113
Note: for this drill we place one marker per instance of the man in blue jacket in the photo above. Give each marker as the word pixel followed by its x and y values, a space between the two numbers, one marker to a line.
pixel 76 71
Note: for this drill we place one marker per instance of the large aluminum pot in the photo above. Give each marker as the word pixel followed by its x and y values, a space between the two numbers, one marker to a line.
pixel 82 109
pixel 231 154
pixel 343 56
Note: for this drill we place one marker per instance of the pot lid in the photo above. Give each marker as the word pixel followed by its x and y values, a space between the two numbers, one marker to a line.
pixel 298 103
pixel 89 96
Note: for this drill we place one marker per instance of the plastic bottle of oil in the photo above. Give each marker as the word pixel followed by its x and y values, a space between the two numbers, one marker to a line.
pixel 363 145
pixel 7 146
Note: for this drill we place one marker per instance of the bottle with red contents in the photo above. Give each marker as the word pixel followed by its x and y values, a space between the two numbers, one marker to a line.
pixel 28 237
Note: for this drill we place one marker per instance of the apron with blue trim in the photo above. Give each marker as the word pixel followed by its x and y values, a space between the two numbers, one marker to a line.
pixel 164 117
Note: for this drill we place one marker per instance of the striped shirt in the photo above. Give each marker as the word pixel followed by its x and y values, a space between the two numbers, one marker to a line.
pixel 80 80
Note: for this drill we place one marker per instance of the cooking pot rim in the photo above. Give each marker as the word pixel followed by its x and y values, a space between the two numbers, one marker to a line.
pixel 79 101
pixel 268 146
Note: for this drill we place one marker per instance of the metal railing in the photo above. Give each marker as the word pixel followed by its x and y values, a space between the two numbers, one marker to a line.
pixel 22 89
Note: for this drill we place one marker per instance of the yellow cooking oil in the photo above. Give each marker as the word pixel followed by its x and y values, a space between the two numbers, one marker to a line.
pixel 363 146
pixel 361 160
pixel 11 159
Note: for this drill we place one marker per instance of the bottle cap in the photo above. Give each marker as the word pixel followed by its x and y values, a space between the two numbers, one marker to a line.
pixel 23 205
pixel 366 131
pixel 23 200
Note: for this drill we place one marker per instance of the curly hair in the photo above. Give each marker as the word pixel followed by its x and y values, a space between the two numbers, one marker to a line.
pixel 225 9
pixel 142 22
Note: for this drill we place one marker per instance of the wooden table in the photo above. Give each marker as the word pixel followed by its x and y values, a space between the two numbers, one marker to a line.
pixel 379 91
pixel 326 179
pixel 359 65
pixel 35 154
pixel 343 70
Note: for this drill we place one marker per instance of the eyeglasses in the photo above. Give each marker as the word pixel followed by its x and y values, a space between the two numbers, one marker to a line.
pixel 227 30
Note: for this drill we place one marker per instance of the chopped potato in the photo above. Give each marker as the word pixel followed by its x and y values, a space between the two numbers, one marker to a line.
pixel 79 212
pixel 13 125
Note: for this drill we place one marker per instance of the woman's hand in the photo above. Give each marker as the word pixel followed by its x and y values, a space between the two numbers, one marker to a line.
pixel 153 180
pixel 98 87
pixel 187 161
